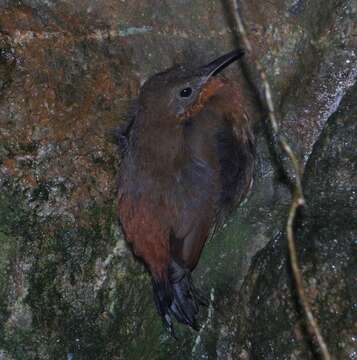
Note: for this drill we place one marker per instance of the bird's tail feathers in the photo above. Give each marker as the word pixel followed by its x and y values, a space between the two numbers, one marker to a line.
pixel 177 296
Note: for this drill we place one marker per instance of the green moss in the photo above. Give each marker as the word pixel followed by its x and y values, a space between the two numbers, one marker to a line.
pixel 5 247
pixel 62 258
pixel 219 263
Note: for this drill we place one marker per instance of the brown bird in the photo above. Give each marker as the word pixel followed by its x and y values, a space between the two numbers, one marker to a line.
pixel 188 159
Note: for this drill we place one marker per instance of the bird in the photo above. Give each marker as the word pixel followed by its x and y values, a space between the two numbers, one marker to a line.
pixel 187 160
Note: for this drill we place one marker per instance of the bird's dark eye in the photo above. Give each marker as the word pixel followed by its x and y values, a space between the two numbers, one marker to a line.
pixel 186 92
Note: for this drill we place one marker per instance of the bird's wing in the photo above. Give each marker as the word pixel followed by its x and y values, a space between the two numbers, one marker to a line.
pixel 218 179
pixel 236 151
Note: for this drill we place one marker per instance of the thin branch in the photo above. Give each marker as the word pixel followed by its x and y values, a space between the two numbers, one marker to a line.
pixel 297 193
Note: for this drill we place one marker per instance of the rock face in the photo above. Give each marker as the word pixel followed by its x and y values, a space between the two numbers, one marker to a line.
pixel 68 285
pixel 269 322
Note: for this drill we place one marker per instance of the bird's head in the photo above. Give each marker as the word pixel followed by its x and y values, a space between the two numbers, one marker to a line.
pixel 180 92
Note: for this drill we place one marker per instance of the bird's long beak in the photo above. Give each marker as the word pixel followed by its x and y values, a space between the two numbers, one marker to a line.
pixel 215 66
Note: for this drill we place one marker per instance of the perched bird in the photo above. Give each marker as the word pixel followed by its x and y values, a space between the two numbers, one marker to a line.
pixel 188 159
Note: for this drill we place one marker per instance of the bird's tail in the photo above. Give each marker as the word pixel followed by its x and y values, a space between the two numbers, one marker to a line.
pixel 177 296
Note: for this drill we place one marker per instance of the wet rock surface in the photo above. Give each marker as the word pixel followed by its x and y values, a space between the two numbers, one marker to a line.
pixel 269 323
pixel 68 285
pixel 309 51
